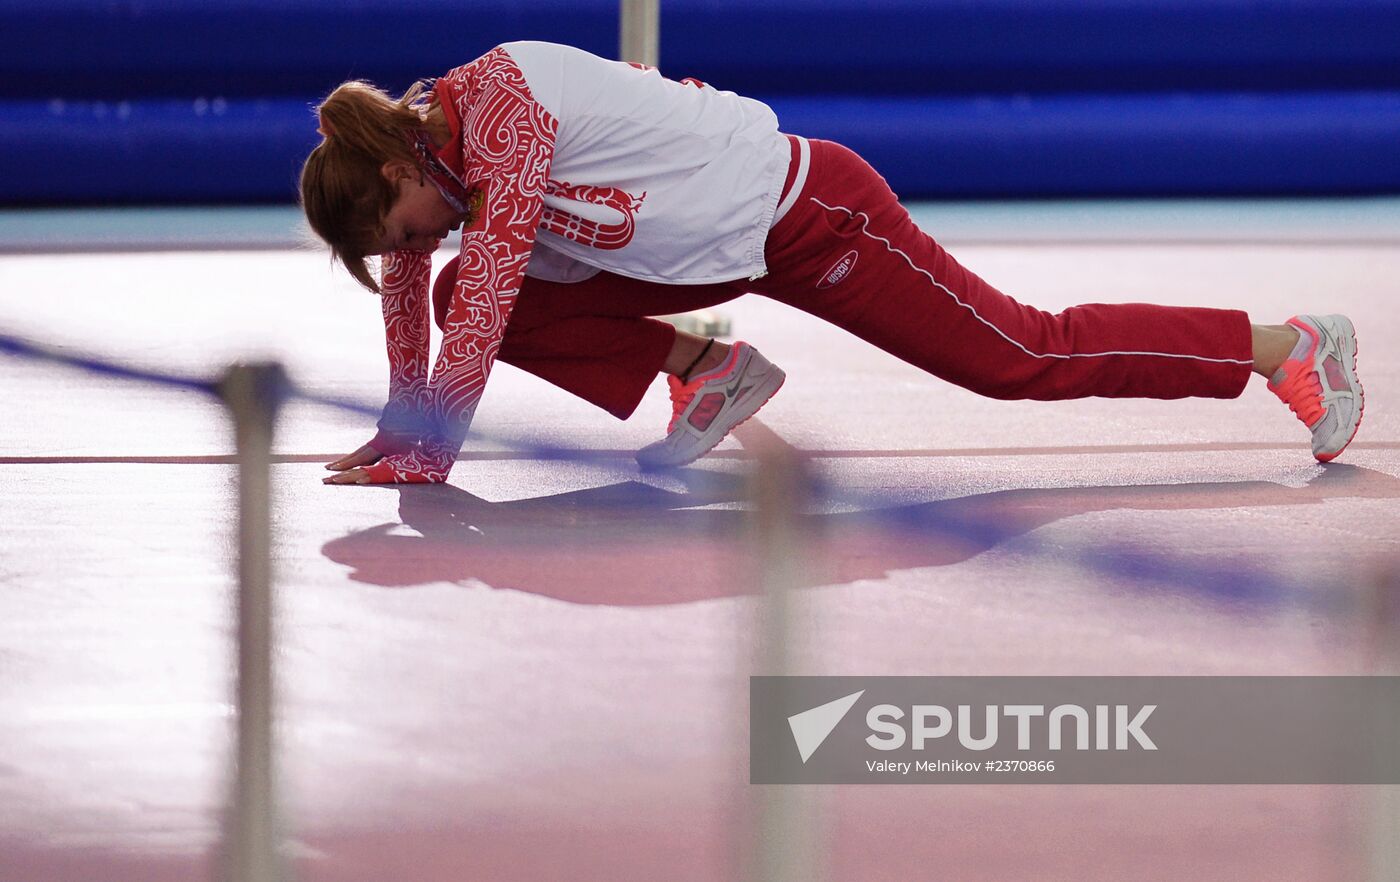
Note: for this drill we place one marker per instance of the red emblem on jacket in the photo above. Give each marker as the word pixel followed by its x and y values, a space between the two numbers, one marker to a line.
pixel 594 234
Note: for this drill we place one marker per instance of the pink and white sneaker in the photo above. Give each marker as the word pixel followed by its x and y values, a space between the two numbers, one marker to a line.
pixel 707 408
pixel 1318 382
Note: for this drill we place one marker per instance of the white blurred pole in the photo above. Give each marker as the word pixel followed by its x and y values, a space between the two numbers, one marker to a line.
pixel 1385 833
pixel 641 31
pixel 786 844
pixel 1384 624
pixel 252 838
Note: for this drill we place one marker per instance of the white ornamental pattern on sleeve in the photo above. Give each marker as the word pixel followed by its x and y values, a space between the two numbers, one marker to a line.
pixel 404 304
pixel 507 144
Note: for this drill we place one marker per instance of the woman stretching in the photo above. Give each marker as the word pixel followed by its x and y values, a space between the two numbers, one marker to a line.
pixel 593 194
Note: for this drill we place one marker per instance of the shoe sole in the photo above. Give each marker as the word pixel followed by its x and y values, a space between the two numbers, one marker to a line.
pixel 1349 342
pixel 761 396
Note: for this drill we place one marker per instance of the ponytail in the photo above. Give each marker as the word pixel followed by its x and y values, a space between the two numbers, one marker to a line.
pixel 343 193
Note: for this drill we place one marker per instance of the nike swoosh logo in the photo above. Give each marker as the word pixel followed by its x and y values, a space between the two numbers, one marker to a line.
pixel 735 395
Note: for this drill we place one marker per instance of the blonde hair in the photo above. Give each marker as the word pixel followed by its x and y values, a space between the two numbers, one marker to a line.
pixel 343 192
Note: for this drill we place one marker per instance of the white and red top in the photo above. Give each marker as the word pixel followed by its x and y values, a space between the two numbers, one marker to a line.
pixel 585 165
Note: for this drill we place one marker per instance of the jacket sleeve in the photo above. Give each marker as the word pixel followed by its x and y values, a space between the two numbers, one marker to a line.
pixel 508 141
pixel 405 305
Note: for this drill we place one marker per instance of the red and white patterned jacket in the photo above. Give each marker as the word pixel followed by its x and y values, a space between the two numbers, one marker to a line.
pixel 584 165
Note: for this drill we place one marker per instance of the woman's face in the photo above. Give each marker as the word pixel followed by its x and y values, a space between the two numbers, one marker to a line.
pixel 419 218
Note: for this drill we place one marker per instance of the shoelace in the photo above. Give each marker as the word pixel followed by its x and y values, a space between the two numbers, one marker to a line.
pixel 1302 392
pixel 681 396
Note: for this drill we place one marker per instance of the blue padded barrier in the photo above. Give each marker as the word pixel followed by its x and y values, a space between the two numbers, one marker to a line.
pixel 1097 145
pixel 948 98
pixel 958 47
pixel 129 48
pixel 251 150
pixel 123 48
pixel 166 151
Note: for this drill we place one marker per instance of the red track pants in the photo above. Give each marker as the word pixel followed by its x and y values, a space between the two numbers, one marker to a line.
pixel 848 252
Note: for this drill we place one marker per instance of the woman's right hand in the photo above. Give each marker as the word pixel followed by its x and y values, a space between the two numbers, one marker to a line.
pixel 366 455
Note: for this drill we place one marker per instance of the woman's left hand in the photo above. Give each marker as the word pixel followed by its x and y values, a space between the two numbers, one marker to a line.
pixel 428 464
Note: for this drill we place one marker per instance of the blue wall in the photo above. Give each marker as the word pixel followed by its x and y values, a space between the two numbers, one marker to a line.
pixel 174 102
